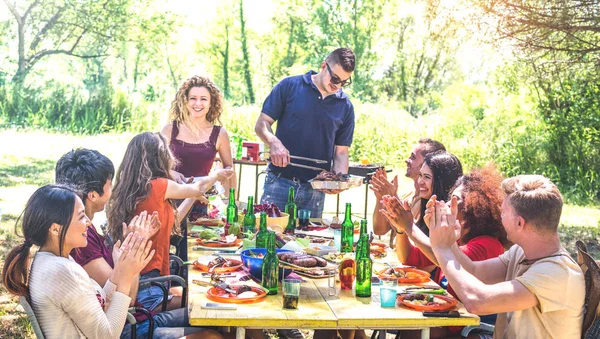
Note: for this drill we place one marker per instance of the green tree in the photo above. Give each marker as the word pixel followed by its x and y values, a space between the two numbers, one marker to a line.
pixel 83 29
pixel 424 62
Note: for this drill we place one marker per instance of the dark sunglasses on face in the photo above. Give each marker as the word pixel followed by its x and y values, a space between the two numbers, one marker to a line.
pixel 336 80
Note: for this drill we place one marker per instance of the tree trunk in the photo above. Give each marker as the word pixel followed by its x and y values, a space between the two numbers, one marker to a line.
pixel 226 90
pixel 173 78
pixel 136 68
pixel 246 56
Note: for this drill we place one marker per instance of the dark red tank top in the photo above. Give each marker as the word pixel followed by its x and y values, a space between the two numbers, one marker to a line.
pixel 195 160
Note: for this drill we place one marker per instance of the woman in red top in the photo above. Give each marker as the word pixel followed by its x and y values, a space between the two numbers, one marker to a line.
pixel 194 139
pixel 143 184
pixel 479 200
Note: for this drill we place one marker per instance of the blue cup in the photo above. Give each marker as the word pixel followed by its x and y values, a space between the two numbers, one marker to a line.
pixel 387 296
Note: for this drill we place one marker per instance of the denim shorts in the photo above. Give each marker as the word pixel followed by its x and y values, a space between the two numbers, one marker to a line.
pixel 152 296
pixel 276 190
pixel 167 325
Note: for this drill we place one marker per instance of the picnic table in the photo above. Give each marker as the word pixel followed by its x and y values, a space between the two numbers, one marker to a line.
pixel 317 309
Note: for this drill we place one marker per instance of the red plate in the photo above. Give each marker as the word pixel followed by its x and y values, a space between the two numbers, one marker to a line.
pixel 451 303
pixel 234 265
pixel 417 276
pixel 212 243
pixel 219 295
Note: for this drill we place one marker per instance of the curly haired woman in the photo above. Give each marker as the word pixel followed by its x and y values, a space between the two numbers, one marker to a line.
pixel 193 137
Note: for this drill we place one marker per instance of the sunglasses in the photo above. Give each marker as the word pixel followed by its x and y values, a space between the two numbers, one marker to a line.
pixel 336 79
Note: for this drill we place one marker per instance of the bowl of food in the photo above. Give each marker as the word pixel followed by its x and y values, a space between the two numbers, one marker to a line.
pixel 253 259
pixel 274 216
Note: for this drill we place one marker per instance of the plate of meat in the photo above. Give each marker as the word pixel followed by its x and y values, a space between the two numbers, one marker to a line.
pixel 335 181
pixel 405 275
pixel 244 294
pixel 219 265
pixel 427 302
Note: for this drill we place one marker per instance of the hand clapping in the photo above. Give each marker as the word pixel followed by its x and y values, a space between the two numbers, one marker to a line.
pixel 397 213
pixel 381 186
pixel 132 255
pixel 144 224
pixel 446 229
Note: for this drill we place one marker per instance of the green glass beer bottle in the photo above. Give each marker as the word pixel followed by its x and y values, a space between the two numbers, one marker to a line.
pixel 250 219
pixel 270 266
pixel 232 211
pixel 347 231
pixel 364 264
pixel 261 236
pixel 292 210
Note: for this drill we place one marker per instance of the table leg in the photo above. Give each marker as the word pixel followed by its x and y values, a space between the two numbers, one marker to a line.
pixel 425 333
pixel 366 199
pixel 240 333
pixel 256 184
pixel 337 206
pixel 382 334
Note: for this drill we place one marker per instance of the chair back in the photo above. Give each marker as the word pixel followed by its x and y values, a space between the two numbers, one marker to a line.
pixel 591 271
pixel 32 319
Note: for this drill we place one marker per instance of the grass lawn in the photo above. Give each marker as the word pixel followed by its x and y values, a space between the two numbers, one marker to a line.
pixel 27 161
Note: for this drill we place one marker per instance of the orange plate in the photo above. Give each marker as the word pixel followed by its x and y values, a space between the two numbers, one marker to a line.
pixel 234 266
pixel 451 303
pixel 211 243
pixel 219 295
pixel 422 278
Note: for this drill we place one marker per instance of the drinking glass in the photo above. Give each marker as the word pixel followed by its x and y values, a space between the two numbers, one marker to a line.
pixel 303 218
pixel 291 293
pixel 347 273
pixel 387 291
pixel 337 239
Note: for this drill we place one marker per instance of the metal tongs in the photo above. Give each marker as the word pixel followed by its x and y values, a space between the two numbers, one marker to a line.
pixel 317 161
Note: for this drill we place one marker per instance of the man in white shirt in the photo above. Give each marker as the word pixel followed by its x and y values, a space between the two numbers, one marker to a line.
pixel 535 287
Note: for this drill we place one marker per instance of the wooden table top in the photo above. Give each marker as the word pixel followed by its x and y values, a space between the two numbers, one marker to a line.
pixel 366 313
pixel 316 309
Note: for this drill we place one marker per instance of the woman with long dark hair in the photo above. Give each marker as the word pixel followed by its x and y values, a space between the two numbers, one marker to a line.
pixel 143 184
pixel 439 172
pixel 66 301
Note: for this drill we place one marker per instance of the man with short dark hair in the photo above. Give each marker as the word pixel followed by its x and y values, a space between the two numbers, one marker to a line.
pixel 91 173
pixel 536 288
pixel 381 186
pixel 315 119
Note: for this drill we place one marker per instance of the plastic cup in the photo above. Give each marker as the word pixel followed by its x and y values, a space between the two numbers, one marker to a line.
pixel 291 293
pixel 387 291
pixel 337 238
pixel 303 218
pixel 347 274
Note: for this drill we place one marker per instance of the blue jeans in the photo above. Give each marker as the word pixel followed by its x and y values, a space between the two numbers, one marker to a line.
pixel 167 325
pixel 276 190
pixel 152 296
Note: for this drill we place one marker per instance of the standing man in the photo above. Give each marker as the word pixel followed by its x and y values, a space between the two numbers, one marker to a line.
pixel 315 120
pixel 381 186
pixel 536 288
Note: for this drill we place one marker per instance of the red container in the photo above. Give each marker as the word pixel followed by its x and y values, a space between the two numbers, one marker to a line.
pixel 347 273
pixel 253 150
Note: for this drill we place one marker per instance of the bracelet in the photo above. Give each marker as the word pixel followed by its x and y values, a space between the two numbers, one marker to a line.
pixel 400 232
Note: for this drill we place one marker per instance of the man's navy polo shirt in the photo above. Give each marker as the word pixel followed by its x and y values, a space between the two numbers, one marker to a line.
pixel 307 125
